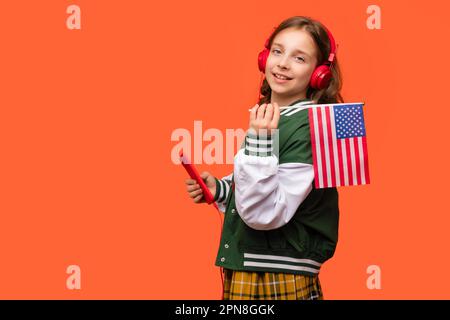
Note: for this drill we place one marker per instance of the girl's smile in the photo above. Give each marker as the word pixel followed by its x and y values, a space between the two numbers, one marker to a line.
pixel 280 78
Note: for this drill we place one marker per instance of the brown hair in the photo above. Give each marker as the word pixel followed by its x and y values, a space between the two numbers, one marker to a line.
pixel 330 94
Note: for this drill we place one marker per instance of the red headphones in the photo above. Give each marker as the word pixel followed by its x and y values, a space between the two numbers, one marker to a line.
pixel 321 76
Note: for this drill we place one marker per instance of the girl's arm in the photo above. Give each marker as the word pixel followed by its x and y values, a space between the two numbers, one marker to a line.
pixel 223 187
pixel 267 194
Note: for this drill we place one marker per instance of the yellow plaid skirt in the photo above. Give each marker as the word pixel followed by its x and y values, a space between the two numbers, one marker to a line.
pixel 245 285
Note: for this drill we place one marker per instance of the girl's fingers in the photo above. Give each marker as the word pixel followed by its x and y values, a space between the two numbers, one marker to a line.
pixel 190 181
pixel 195 193
pixel 253 112
pixel 198 198
pixel 194 187
pixel 261 111
pixel 276 115
pixel 269 113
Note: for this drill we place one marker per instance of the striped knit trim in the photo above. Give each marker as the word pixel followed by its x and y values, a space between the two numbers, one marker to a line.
pixel 258 145
pixel 281 263
pixel 290 111
pixel 222 190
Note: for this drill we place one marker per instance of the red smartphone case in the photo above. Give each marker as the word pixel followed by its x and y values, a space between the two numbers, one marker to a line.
pixel 193 173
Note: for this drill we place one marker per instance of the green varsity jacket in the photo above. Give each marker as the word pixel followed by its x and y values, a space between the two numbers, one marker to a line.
pixel 275 220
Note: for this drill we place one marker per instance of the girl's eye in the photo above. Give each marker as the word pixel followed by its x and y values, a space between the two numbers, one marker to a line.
pixel 278 51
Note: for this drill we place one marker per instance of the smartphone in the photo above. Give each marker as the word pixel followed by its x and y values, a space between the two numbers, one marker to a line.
pixel 193 173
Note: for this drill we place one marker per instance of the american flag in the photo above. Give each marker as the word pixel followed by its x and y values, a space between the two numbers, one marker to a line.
pixel 339 146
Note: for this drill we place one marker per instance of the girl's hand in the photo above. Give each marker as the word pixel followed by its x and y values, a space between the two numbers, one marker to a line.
pixel 194 190
pixel 264 119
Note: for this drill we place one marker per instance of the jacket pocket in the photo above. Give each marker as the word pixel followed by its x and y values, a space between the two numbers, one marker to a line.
pixel 296 236
pixel 258 239
pixel 276 239
pixel 251 238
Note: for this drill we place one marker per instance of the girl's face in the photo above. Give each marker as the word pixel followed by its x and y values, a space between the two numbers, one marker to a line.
pixel 293 55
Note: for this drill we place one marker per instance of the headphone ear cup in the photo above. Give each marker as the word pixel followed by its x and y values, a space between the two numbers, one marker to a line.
pixel 262 59
pixel 321 77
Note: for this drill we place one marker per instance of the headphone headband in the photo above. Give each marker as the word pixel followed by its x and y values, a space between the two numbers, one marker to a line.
pixel 333 47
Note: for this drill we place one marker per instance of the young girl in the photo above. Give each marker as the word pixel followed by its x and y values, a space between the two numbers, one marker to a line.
pixel 278 229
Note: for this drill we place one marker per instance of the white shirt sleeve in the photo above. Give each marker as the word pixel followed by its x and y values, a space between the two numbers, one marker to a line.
pixel 267 195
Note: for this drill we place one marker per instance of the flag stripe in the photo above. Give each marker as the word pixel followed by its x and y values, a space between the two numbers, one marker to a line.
pixel 361 160
pixel 319 147
pixel 330 148
pixel 313 125
pixel 322 147
pixel 366 159
pixel 347 162
pixel 357 160
pixel 337 172
pixel 352 160
pixel 344 162
pixel 326 153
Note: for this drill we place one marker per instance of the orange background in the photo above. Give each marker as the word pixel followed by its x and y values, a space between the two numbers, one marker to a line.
pixel 86 120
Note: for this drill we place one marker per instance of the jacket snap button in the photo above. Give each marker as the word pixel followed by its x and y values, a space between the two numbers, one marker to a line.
pixel 222 259
pixel 233 210
pixel 226 246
